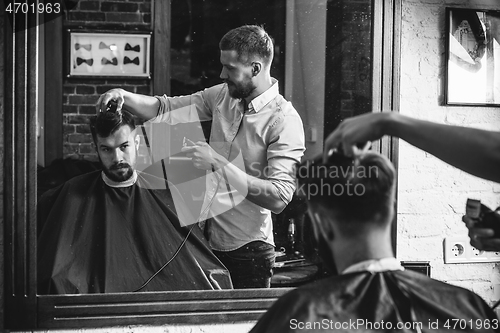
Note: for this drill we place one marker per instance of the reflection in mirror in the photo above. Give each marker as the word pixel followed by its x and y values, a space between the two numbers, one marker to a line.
pixel 96 238
pixel 119 230
pixel 473 61
pixel 348 74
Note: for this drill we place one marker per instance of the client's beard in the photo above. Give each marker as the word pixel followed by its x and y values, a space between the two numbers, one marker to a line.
pixel 113 174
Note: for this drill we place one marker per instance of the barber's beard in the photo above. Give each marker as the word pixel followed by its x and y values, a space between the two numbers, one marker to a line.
pixel 118 172
pixel 240 90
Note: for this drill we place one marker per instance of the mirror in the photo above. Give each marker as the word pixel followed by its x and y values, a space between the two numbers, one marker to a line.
pixel 73 267
pixel 93 310
pixel 83 261
pixel 473 61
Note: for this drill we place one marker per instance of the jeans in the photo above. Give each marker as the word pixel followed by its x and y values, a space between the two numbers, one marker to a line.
pixel 250 266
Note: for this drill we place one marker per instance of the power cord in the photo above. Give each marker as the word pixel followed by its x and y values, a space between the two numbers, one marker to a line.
pixel 168 262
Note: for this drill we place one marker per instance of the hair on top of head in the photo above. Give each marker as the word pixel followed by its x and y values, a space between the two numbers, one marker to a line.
pixel 106 123
pixel 353 191
pixel 248 41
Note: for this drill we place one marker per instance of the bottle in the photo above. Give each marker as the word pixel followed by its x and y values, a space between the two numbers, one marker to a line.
pixel 291 236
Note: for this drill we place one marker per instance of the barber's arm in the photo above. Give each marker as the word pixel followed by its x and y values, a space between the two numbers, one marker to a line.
pixel 472 150
pixel 262 192
pixel 142 106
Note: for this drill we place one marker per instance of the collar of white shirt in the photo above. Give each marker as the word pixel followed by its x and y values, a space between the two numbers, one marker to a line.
pixel 375 265
pixel 126 183
pixel 260 101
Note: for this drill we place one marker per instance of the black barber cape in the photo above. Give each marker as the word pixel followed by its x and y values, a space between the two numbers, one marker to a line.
pixel 94 238
pixel 378 302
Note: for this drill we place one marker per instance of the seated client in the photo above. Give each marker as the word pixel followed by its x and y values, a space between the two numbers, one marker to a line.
pixel 351 205
pixel 113 230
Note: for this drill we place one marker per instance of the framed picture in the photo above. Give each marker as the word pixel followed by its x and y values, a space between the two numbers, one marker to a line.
pixel 109 54
pixel 473 57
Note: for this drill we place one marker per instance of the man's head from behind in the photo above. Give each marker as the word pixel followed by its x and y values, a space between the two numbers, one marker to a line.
pixel 246 54
pixel 350 201
pixel 116 143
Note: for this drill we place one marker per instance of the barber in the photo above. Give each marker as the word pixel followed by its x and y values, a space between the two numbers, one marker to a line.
pixel 252 123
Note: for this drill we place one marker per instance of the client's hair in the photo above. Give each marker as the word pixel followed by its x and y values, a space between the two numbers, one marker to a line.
pixel 353 193
pixel 248 41
pixel 106 123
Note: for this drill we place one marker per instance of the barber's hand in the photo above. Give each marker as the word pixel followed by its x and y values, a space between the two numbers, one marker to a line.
pixel 481 238
pixel 201 154
pixel 113 94
pixel 355 130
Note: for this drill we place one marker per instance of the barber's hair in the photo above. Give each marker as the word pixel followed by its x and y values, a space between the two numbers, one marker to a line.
pixel 106 123
pixel 354 192
pixel 249 41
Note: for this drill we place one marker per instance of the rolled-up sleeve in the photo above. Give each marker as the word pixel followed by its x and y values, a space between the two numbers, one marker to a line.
pixel 285 150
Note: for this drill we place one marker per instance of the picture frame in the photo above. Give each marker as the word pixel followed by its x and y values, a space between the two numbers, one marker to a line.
pixel 472 57
pixel 109 54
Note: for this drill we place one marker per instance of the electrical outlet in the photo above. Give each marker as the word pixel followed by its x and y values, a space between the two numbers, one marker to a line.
pixel 454 250
pixel 476 253
pixel 458 250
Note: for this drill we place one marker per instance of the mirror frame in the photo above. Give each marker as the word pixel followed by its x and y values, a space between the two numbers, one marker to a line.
pixel 23 308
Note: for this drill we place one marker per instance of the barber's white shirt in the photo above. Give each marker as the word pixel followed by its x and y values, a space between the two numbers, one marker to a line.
pixel 265 141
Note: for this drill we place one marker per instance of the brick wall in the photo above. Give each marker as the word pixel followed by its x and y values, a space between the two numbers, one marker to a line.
pixel 81 94
pixel 432 194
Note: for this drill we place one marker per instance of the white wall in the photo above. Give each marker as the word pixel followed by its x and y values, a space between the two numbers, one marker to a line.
pixel 432 194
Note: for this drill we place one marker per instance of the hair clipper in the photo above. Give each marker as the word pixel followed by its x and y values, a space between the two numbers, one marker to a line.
pixel 486 218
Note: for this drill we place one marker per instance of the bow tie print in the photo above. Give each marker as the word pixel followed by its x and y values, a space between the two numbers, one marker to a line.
pixel 105 61
pixel 80 61
pixel 127 60
pixel 87 47
pixel 136 48
pixel 103 45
